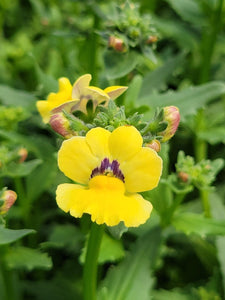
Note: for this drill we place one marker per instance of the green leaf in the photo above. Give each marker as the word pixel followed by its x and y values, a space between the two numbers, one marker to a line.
pixel 110 250
pixel 131 279
pixel 206 252
pixel 8 236
pixel 157 79
pixel 20 169
pixel 196 223
pixel 14 97
pixel 120 64
pixel 218 212
pixel 188 100
pixel 189 10
pixel 65 236
pixel 118 230
pixel 177 31
pixel 213 135
pixel 173 295
pixel 131 94
pixel 47 83
pixel 41 178
pixel 28 259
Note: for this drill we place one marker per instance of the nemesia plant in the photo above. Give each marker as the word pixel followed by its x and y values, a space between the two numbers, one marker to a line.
pixel 112 202
pixel 110 157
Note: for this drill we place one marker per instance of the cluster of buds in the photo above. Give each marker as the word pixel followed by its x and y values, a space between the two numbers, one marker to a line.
pixel 11 116
pixel 200 175
pixel 7 199
pixel 129 29
pixel 159 130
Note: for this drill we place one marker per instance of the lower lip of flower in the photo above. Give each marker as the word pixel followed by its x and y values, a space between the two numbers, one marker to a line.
pixel 108 168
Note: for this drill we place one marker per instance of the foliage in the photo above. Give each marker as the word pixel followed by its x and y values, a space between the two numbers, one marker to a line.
pixel 179 251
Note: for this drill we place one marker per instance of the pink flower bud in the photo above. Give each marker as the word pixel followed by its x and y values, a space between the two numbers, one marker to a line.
pixel 61 125
pixel 22 154
pixel 155 145
pixel 183 176
pixel 151 39
pixel 117 44
pixel 8 197
pixel 172 116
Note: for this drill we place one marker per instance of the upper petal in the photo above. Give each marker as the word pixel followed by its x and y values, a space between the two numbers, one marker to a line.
pixel 115 91
pixel 96 94
pixel 76 160
pixel 98 139
pixel 80 84
pixel 105 201
pixel 44 110
pixel 55 99
pixel 142 172
pixel 125 142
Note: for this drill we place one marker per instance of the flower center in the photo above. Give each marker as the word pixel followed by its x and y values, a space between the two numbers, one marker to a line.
pixel 108 168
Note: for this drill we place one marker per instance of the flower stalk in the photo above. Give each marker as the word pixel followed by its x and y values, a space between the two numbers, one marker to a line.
pixel 91 262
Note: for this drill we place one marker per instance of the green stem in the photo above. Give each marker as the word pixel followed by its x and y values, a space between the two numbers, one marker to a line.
pixel 205 203
pixel 209 42
pixel 25 205
pixel 93 54
pixel 91 262
pixel 200 145
pixel 7 284
pixel 208 46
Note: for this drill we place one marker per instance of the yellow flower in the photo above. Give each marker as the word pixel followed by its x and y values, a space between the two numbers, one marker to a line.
pixel 76 96
pixel 110 169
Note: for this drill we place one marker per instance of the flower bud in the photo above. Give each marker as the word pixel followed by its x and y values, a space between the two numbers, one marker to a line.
pixel 172 116
pixel 22 154
pixel 155 145
pixel 117 44
pixel 60 124
pixel 7 199
pixel 151 39
pixel 183 176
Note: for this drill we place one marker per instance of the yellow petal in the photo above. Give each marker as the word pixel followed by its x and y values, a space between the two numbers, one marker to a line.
pixel 55 99
pixel 115 91
pixel 64 94
pixel 80 84
pixel 142 172
pixel 65 85
pixel 96 94
pixel 75 159
pixel 105 201
pixel 67 106
pixel 64 195
pixel 97 139
pixel 124 142
pixel 44 110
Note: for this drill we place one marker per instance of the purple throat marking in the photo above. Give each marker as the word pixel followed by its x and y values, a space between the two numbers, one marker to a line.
pixel 107 168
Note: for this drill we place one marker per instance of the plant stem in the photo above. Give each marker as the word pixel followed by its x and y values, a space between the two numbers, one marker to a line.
pixel 205 203
pixel 25 205
pixel 92 55
pixel 6 279
pixel 91 262
pixel 208 45
pixel 209 42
